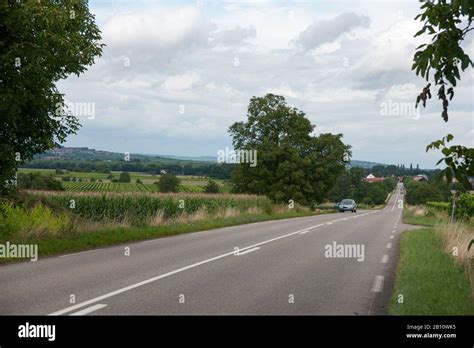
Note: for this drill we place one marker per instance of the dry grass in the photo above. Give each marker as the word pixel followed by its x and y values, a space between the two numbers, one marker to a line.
pixel 232 212
pixel 456 236
pixel 418 210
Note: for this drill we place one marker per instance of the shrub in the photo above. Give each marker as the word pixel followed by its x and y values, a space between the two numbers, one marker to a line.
pixel 124 177
pixel 168 183
pixel 464 209
pixel 39 181
pixel 18 222
pixel 212 187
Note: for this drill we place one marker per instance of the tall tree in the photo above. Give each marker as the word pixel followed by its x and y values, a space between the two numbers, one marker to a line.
pixel 448 22
pixel 41 42
pixel 292 164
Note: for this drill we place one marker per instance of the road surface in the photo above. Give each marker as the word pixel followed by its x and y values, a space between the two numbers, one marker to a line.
pixel 271 268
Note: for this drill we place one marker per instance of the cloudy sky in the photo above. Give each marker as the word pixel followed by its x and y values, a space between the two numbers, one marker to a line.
pixel 175 75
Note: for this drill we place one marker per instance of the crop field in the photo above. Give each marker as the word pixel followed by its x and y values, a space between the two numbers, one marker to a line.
pixel 76 186
pixel 100 182
pixel 140 207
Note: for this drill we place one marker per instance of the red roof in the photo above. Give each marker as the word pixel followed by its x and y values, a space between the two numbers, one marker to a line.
pixel 373 179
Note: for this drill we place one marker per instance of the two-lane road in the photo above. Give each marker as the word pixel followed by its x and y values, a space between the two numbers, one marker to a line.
pixel 274 267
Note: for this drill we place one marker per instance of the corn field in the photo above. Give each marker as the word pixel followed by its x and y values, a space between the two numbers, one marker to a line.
pixel 140 208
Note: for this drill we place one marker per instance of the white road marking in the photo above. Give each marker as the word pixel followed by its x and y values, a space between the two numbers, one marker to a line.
pixel 161 276
pixel 81 252
pixel 182 269
pixel 391 237
pixel 395 203
pixel 89 309
pixel 247 251
pixel 384 259
pixel 304 232
pixel 389 245
pixel 378 284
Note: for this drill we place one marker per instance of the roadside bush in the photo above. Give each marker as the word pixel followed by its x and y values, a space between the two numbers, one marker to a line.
pixel 439 205
pixel 464 209
pixel 18 222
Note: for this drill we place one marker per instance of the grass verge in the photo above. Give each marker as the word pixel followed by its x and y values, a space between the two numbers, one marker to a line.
pixel 84 241
pixel 428 278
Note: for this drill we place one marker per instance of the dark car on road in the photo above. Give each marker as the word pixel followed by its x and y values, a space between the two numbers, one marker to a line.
pixel 347 205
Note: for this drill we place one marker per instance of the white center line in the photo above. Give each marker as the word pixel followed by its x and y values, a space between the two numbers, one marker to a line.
pixel 378 284
pixel 389 245
pixel 304 232
pixel 247 251
pixel 89 309
pixel 385 259
pixel 161 276
pixel 81 252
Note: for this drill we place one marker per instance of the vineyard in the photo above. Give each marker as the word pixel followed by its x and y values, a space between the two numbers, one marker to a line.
pixel 76 186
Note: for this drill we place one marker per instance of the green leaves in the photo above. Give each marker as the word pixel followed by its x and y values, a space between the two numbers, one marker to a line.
pixel 444 54
pixel 459 160
pixel 42 43
pixel 292 164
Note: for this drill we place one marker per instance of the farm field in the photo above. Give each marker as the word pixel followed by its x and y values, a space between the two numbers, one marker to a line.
pixel 188 183
pixel 76 186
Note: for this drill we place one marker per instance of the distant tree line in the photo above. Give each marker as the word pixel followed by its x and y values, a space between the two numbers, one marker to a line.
pixel 213 170
pixel 401 170
pixel 351 185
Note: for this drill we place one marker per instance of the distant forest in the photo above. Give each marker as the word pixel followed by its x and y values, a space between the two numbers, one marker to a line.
pixel 90 160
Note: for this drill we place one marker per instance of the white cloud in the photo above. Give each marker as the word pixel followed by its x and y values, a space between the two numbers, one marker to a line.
pixel 326 31
pixel 180 82
pixel 184 55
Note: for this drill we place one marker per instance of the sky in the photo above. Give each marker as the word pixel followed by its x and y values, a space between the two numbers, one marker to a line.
pixel 174 75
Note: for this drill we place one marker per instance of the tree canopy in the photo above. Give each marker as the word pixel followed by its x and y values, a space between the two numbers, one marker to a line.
pixel 41 42
pixel 292 164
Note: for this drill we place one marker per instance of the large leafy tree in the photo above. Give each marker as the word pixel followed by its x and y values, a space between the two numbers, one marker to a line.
pixel 448 23
pixel 41 42
pixel 292 164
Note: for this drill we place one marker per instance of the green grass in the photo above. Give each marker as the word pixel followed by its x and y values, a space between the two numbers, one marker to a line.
pixel 429 280
pixel 431 217
pixel 84 241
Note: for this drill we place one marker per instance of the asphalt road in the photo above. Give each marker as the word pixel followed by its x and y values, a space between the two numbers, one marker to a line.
pixel 274 267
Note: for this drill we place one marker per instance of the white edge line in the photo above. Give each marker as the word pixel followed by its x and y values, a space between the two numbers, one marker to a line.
pixel 389 245
pixel 384 259
pixel 378 284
